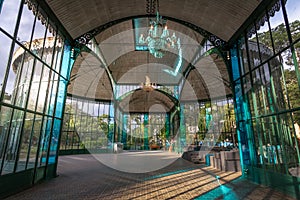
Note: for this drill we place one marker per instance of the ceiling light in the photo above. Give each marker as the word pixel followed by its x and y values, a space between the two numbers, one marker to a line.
pixel 158 39
pixel 148 86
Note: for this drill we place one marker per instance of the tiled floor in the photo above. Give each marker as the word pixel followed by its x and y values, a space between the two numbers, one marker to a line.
pixel 84 177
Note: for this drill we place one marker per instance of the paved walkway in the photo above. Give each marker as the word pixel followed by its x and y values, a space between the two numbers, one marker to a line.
pixel 84 177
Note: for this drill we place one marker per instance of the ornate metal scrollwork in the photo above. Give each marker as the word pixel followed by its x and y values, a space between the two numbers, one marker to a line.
pixel 275 8
pixel 259 23
pixel 85 38
pixel 34 7
pixel 217 42
pixel 150 6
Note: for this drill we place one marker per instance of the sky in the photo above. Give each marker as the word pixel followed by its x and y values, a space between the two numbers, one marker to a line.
pixel 8 18
pixel 293 9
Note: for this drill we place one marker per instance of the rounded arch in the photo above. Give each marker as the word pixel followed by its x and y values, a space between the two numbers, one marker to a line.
pixel 89 80
pixel 113 54
pixel 86 37
pixel 140 101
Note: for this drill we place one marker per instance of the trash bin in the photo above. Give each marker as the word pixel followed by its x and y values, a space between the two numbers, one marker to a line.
pixel 118 147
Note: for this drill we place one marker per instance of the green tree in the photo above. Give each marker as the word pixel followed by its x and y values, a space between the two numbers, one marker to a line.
pixel 280 39
pixel 293 92
pixel 103 123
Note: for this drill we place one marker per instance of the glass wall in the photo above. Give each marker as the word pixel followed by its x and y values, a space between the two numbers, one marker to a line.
pixel 265 62
pixel 33 78
pixel 202 128
pixel 87 125
pixel 143 131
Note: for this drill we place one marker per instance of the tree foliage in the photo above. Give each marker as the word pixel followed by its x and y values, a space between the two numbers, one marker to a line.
pixel 92 131
pixel 280 40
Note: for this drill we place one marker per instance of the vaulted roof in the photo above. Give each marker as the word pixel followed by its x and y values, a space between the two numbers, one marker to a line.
pixel 219 17
pixel 201 73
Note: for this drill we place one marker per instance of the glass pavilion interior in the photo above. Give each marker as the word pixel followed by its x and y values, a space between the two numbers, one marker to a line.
pixel 79 76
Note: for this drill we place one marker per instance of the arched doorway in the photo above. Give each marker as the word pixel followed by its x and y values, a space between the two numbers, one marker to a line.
pixel 144 120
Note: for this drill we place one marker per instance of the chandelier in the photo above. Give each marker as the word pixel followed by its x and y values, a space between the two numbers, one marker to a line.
pixel 158 39
pixel 148 86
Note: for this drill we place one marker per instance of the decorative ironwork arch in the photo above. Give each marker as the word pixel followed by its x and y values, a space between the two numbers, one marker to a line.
pixel 216 41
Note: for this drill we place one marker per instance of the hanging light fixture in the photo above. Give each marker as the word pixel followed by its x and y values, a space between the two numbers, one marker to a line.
pixel 148 86
pixel 158 39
